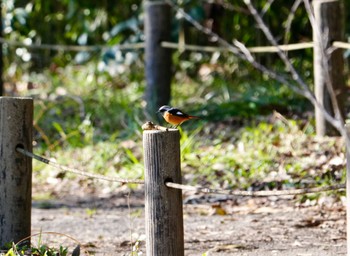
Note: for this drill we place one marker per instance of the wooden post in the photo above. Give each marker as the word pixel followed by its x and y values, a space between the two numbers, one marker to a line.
pixel 163 205
pixel 158 58
pixel 328 28
pixel 2 91
pixel 347 143
pixel 16 122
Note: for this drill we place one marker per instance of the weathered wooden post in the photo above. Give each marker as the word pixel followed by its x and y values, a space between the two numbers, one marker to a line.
pixel 16 122
pixel 163 205
pixel 328 64
pixel 347 143
pixel 1 55
pixel 158 58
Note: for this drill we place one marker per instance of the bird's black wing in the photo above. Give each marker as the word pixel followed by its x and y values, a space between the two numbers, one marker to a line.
pixel 177 112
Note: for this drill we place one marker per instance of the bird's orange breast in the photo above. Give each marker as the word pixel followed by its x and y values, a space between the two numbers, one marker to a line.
pixel 174 120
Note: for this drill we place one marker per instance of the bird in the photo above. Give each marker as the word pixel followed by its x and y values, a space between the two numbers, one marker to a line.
pixel 174 116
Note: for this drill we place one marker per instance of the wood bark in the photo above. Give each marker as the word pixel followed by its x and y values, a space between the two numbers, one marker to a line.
pixel 347 143
pixel 16 122
pixel 1 56
pixel 163 205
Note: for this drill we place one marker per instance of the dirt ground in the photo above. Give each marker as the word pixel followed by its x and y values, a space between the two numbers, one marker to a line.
pixel 104 224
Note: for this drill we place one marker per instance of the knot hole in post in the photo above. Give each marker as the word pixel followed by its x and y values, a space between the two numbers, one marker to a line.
pixel 19 146
pixel 168 180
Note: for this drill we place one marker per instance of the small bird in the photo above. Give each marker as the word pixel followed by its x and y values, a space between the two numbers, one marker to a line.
pixel 174 116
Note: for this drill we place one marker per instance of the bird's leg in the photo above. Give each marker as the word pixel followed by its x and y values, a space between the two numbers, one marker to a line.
pixel 178 125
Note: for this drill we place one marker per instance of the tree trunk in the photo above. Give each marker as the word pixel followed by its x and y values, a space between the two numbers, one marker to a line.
pixel 328 63
pixel 158 59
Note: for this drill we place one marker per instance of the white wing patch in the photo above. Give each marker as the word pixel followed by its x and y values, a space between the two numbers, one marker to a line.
pixel 179 113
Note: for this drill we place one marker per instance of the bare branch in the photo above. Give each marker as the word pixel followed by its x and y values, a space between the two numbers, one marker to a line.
pixel 289 20
pixel 266 7
pixel 241 51
pixel 335 121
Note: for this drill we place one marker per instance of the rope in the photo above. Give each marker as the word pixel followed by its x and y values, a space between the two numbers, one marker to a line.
pixel 76 171
pixel 205 190
pixel 342 45
pixel 72 48
pixel 301 191
pixel 257 49
pixel 91 48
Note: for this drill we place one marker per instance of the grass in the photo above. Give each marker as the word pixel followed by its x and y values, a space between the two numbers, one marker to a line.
pixel 40 248
pixel 265 155
pixel 85 121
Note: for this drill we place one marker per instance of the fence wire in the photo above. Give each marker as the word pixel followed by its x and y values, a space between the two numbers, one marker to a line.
pixel 198 189
pixel 76 171
pixel 264 193
pixel 256 49
pixel 171 45
pixel 71 48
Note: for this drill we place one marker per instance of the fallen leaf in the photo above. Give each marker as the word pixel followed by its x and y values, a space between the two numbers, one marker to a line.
pixel 216 209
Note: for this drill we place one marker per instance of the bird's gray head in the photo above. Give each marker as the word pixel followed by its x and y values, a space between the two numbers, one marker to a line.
pixel 163 109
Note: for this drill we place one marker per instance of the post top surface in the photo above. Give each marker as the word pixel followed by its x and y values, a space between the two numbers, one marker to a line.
pixel 161 131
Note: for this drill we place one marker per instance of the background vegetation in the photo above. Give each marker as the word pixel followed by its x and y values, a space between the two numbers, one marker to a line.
pixel 254 134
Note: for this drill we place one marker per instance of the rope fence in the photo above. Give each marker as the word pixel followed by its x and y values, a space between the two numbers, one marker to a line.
pixel 198 189
pixel 170 45
pixel 257 49
pixel 341 45
pixel 263 193
pixel 76 171
pixel 162 172
pixel 71 48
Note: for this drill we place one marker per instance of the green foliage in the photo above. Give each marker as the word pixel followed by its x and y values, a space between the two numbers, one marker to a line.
pixel 222 97
pixel 89 116
pixel 40 250
pixel 70 22
pixel 236 143
pixel 83 111
pixel 44 250
pixel 261 155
